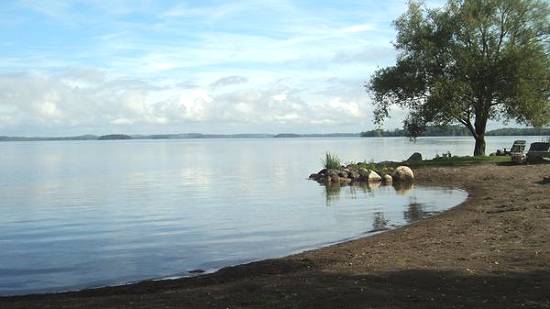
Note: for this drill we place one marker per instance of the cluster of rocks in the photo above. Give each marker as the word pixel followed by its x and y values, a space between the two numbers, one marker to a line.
pixel 356 173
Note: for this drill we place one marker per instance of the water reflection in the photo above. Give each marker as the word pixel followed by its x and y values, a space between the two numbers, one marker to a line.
pixel 413 210
pixel 379 222
pixel 416 211
pixel 403 188
pixel 333 192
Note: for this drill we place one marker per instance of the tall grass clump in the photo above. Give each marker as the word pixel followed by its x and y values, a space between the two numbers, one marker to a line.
pixel 331 162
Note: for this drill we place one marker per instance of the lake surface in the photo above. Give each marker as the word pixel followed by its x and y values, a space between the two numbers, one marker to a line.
pixel 77 214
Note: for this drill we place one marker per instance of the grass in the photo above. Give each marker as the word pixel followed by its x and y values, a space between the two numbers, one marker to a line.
pixel 380 168
pixel 332 162
pixel 461 161
pixel 384 167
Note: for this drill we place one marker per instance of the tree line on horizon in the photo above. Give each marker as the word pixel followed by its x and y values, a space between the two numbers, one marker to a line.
pixel 457 131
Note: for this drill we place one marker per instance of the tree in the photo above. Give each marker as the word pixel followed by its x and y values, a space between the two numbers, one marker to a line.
pixel 467 63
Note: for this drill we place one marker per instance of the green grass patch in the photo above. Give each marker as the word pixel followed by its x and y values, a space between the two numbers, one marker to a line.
pixel 461 161
pixel 332 162
pixel 386 167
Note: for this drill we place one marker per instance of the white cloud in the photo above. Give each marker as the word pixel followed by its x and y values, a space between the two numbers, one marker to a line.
pixel 137 65
pixel 93 99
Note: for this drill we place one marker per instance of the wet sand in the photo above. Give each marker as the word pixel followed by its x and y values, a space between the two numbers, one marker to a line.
pixel 493 250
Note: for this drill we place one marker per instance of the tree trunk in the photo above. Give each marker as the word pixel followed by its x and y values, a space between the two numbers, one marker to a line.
pixel 479 149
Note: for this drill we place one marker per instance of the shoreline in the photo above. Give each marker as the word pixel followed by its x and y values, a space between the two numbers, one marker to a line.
pixel 494 248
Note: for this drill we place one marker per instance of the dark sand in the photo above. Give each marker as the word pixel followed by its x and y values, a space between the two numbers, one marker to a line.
pixel 491 251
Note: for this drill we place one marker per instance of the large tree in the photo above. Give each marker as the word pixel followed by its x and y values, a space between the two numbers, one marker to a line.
pixel 469 62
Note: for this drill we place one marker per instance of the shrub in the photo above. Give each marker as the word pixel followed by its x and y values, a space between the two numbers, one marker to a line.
pixel 331 162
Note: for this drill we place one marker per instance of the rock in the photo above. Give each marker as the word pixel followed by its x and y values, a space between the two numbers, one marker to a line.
pixel 387 179
pixel 332 173
pixel 314 176
pixel 334 179
pixel 363 173
pixel 417 156
pixel 345 181
pixel 196 271
pixel 546 179
pixel 403 174
pixel 343 174
pixel 323 172
pixel 373 177
pixel 354 175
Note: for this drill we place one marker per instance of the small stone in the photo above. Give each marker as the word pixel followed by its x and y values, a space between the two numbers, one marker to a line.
pixel 387 179
pixel 196 271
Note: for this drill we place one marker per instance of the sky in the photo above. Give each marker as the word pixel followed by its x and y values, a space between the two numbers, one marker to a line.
pixel 145 66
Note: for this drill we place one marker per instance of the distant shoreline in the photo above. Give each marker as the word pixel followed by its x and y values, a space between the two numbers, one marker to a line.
pixel 169 136
pixel 372 133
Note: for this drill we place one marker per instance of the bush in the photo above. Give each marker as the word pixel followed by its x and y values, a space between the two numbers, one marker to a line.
pixel 331 162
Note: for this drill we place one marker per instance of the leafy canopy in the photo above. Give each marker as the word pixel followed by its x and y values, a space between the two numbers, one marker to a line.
pixel 469 62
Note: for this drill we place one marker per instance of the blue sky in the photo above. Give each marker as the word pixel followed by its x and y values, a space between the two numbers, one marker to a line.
pixel 131 66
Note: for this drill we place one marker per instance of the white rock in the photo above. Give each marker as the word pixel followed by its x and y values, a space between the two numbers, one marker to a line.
pixel 403 173
pixel 373 176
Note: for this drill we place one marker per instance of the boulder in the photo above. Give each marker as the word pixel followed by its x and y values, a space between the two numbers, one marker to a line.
pixel 343 174
pixel 363 173
pixel 373 177
pixel 314 176
pixel 345 181
pixel 387 179
pixel 354 175
pixel 417 156
pixel 403 174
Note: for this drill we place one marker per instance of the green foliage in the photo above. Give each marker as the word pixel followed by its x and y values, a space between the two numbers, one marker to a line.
pixel 428 131
pixel 456 130
pixel 380 168
pixel 519 131
pixel 467 63
pixel 460 161
pixel 331 162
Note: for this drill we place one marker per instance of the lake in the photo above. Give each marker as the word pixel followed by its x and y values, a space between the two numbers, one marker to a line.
pixel 78 214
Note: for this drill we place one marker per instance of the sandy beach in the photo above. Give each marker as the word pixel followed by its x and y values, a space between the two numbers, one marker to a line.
pixel 493 250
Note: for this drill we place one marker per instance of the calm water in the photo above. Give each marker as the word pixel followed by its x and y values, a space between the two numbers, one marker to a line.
pixel 84 214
